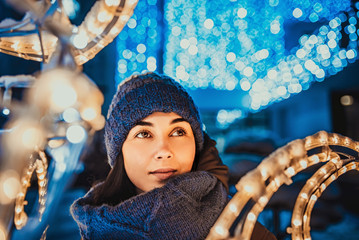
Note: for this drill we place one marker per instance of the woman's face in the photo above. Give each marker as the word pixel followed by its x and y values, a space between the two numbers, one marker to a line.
pixel 160 146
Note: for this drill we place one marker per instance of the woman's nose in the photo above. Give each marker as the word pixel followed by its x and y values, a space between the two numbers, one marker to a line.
pixel 163 151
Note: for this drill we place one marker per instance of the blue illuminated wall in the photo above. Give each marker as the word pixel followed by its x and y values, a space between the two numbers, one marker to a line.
pixel 240 46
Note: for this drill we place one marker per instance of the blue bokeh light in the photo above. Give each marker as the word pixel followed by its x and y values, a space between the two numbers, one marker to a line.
pixel 240 46
pixel 139 44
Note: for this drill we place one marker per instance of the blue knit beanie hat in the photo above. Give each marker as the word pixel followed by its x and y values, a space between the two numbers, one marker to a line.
pixel 140 96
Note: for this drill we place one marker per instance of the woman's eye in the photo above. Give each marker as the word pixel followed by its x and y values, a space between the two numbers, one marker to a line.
pixel 179 132
pixel 143 135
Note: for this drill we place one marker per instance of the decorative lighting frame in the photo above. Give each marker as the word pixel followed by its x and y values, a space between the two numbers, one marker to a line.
pixel 39 165
pixel 43 33
pixel 100 26
pixel 339 153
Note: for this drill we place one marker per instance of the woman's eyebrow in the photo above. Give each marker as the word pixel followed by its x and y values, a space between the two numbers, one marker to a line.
pixel 176 120
pixel 144 123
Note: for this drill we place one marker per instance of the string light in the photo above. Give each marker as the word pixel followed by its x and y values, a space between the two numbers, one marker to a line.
pixel 9 186
pixel 252 186
pixel 56 98
pixel 101 25
pixel 40 166
pixel 61 108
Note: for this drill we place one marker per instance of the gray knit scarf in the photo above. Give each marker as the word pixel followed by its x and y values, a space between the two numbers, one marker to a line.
pixel 185 208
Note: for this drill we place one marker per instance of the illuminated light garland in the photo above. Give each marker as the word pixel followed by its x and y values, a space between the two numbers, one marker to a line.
pixel 61 109
pixel 260 188
pixel 101 25
pixel 68 109
pixel 40 166
pixel 303 207
pixel 60 91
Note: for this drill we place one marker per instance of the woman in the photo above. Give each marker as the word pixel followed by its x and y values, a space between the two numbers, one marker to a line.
pixel 167 180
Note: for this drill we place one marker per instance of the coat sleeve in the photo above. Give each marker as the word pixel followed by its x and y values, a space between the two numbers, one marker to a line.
pixel 210 161
pixel 261 233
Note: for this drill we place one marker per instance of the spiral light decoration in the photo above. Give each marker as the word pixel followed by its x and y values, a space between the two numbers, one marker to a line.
pixel 339 153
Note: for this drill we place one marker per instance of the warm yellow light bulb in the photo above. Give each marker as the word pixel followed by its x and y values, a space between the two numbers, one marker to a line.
pixel 112 2
pixel 277 181
pixel 303 163
pixel 132 2
pixel 63 96
pixel 263 200
pixel 89 114
pixel 233 208
pixel 264 173
pixel 41 176
pixel 251 216
pixel 297 222
pixel 354 166
pixel 80 40
pixel 93 28
pixel 18 210
pixel 304 195
pixel 220 230
pixel 314 198
pixel 115 30
pixel 315 159
pixel 75 134
pixel 291 171
pixel 103 17
pixel 98 123
pixel 31 137
pixel 124 18
pixel 11 187
pixel 248 188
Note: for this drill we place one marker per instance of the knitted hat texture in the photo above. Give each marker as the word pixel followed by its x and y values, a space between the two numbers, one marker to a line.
pixel 139 97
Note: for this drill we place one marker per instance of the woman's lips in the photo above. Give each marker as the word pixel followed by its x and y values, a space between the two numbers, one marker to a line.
pixel 163 174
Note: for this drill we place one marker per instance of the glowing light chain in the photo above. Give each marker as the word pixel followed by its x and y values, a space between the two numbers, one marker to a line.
pixel 261 183
pixel 101 25
pixel 40 166
pixel 72 94
pixel 310 193
pixel 60 109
